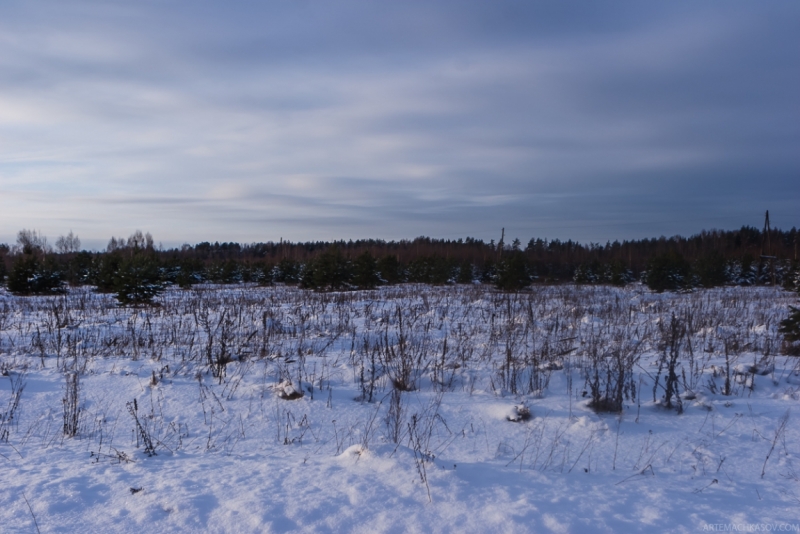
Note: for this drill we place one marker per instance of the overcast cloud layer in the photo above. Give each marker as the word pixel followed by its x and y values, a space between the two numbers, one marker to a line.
pixel 305 120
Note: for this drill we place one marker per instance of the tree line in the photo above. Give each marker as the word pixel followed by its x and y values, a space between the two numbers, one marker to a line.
pixel 136 270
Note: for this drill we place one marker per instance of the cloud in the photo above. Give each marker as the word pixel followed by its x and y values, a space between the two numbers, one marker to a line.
pixel 309 120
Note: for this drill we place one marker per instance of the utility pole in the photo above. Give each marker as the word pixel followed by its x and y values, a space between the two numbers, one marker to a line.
pixel 768 255
pixel 501 244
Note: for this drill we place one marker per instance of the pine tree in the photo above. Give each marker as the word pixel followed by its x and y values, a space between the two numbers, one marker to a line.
pixel 188 273
pixel 466 273
pixel 790 327
pixel 668 271
pixel 288 271
pixel 32 276
pixel 512 272
pixel 390 270
pixel 105 270
pixel 711 270
pixel 365 271
pixel 79 269
pixel 330 270
pixel 138 281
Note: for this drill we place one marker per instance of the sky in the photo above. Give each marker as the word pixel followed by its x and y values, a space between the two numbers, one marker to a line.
pixel 302 120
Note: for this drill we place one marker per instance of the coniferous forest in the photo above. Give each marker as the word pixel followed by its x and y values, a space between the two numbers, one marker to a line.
pixel 136 270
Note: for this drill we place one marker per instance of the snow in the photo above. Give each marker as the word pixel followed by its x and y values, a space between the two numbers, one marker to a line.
pixel 235 454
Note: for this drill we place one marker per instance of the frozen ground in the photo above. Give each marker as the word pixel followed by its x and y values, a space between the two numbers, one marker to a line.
pixel 208 369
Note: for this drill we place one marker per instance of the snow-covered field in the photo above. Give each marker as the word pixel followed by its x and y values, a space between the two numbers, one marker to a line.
pixel 454 409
